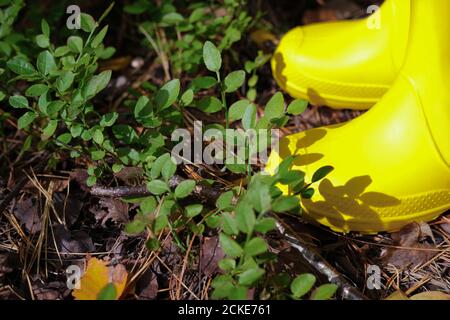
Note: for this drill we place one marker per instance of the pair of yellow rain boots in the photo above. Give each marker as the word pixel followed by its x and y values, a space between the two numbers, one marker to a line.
pixel 392 164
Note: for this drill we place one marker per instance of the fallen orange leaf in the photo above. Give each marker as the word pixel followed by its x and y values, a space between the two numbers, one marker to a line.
pixel 97 276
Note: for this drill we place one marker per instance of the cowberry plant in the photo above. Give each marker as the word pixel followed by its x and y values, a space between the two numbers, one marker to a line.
pixel 62 83
pixel 241 214
pixel 58 112
pixel 177 37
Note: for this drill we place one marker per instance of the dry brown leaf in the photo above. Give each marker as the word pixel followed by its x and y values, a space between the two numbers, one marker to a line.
pixel 26 210
pixel 431 295
pixel 97 276
pixel 210 255
pixel 130 175
pixel 80 176
pixel 76 241
pixel 410 236
pixel 111 209
pixel 147 286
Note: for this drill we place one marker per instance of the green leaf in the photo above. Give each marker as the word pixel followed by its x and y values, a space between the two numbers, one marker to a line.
pixel 253 81
pixel 227 264
pixel 64 81
pixel 157 187
pixel 137 7
pixel 136 226
pixel 98 137
pixel 187 97
pixel 99 37
pixel 109 119
pixel 142 109
pixel 168 170
pixel 285 203
pixel 25 120
pixel 19 102
pixel 211 57
pixel 321 173
pixel 153 244
pixel 249 118
pixel 265 225
pixel 96 84
pixel 107 53
pixel 168 94
pixel 91 181
pixel 117 167
pixel 255 246
pixel 106 12
pixel 158 165
pixel 148 205
pixel 20 66
pixel 64 138
pixel 61 51
pixel 109 292
pixel 245 217
pixel 275 106
pixel 49 129
pixel 196 15
pixel 250 276
pixel 324 292
pixel 184 189
pixel 302 284
pixel 172 18
pixel 213 221
pixel 223 287
pixel 45 28
pixel 36 90
pixel 224 202
pixel 161 222
pixel 259 195
pixel 239 293
pixel 2 95
pixel 42 41
pixel 97 155
pixel 125 133
pixel 237 110
pixel 229 225
pixel 209 104
pixel 234 80
pixel 298 106
pixel 76 130
pixel 307 193
pixel 204 82
pixel 229 246
pixel 237 168
pixel 54 107
pixel 46 63
pixel 87 22
pixel 193 210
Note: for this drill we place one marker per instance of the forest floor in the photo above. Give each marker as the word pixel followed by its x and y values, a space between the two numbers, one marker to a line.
pixel 50 219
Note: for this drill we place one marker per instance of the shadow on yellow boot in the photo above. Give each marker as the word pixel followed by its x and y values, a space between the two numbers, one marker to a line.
pixel 392 164
pixel 344 64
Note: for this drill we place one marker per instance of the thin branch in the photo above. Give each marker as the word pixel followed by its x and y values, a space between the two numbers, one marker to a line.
pixel 207 193
pixel 346 289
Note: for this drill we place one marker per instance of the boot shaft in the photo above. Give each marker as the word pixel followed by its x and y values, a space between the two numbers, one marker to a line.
pixel 427 66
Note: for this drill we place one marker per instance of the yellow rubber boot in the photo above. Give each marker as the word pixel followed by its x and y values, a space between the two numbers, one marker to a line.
pixel 344 64
pixel 392 164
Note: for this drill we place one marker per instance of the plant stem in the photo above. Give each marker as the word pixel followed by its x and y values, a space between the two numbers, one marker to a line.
pixel 224 100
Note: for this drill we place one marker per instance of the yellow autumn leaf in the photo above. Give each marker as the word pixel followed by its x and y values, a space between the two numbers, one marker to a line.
pixel 261 36
pixel 97 276
pixel 431 295
pixel 397 295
